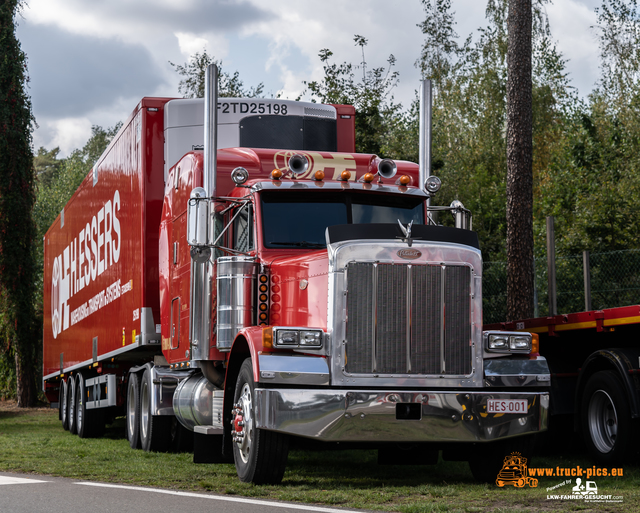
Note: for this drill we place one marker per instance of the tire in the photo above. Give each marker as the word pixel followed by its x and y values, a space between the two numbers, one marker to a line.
pixel 487 459
pixel 133 411
pixel 606 421
pixel 71 405
pixel 64 405
pixel 260 456
pixel 89 423
pixel 155 430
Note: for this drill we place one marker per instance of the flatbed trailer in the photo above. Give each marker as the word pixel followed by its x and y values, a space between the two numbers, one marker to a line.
pixel 594 359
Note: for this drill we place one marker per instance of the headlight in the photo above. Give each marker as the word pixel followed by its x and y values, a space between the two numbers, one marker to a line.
pixel 498 342
pixel 520 343
pixel 507 342
pixel 301 338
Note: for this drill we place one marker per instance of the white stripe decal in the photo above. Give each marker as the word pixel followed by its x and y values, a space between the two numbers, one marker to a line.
pixel 223 498
pixel 8 480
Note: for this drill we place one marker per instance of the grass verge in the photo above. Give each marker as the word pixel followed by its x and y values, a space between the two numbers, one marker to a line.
pixel 32 441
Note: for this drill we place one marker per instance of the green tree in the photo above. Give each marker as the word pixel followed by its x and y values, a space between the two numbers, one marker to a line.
pixel 371 95
pixel 593 187
pixel 469 112
pixel 229 85
pixel 46 165
pixel 17 316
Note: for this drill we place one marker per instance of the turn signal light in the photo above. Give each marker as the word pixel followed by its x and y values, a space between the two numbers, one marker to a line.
pixel 267 338
pixel 276 174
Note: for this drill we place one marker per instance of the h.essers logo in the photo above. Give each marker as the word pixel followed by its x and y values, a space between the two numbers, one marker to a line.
pixel 91 253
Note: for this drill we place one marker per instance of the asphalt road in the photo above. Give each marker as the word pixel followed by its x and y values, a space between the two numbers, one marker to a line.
pixel 43 494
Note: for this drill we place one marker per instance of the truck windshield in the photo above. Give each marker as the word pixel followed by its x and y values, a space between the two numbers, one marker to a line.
pixel 298 219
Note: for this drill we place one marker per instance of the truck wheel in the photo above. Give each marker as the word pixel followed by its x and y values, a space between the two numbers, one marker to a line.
pixel 155 430
pixel 260 456
pixel 64 405
pixel 606 419
pixel 71 405
pixel 82 427
pixel 487 459
pixel 133 411
pixel 89 423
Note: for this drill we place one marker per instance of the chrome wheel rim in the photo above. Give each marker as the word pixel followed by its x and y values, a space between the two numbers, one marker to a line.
pixel 79 412
pixel 144 409
pixel 64 406
pixel 131 410
pixel 72 407
pixel 244 444
pixel 603 421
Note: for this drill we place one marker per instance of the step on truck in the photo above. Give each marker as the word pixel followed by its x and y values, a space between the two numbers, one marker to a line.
pixel 231 270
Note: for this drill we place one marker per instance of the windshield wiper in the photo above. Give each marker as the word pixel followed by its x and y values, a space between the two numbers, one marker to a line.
pixel 300 244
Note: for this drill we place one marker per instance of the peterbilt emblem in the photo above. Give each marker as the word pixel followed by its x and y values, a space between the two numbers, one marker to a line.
pixel 409 254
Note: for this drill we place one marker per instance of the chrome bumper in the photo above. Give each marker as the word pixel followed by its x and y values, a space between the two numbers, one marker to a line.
pixel 402 416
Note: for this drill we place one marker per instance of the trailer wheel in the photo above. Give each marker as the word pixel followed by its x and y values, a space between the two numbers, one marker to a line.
pixel 89 423
pixel 64 405
pixel 606 419
pixel 260 456
pixel 71 405
pixel 133 411
pixel 155 430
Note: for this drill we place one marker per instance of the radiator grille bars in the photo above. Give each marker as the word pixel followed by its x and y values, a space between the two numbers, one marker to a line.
pixel 408 319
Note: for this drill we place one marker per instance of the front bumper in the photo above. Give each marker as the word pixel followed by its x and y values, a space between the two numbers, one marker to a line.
pixel 343 415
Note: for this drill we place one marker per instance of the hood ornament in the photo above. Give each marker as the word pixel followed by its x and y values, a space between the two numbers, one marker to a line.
pixel 406 230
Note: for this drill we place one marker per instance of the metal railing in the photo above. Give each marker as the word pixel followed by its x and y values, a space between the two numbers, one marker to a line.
pixel 608 279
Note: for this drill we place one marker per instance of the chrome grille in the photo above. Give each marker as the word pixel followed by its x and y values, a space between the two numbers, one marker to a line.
pixel 408 319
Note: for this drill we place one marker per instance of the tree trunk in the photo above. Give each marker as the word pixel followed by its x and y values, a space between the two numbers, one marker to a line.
pixel 520 274
pixel 25 382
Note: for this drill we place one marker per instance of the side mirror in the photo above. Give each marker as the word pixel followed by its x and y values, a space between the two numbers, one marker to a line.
pixel 198 214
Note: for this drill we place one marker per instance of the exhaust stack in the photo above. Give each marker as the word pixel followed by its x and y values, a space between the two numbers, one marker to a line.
pixel 210 129
pixel 425 134
pixel 202 268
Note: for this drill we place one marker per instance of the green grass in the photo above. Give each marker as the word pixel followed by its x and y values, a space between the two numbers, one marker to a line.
pixel 33 442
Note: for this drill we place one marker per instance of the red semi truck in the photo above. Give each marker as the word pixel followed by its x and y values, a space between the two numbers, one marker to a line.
pixel 232 268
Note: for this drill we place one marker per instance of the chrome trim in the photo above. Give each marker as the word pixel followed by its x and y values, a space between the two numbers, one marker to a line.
pixel 236 286
pixel 370 415
pixel 293 370
pixel 165 382
pixel 197 402
pixel 507 372
pixel 358 186
pixel 94 390
pixel 424 147
pixel 385 251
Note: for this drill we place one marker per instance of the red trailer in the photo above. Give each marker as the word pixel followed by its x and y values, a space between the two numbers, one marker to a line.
pixel 232 271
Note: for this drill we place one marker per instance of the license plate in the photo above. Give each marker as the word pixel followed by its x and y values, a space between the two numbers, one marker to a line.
pixel 507 405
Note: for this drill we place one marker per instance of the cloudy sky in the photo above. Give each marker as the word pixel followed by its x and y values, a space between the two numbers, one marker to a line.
pixel 91 61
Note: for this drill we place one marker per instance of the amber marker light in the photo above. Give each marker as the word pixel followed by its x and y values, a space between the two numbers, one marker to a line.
pixel 368 177
pixel 276 174
pixel 535 344
pixel 319 175
pixel 345 175
pixel 267 338
pixel 404 180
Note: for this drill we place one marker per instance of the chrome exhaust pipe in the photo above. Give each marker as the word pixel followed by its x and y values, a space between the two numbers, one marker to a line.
pixel 425 134
pixel 202 268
